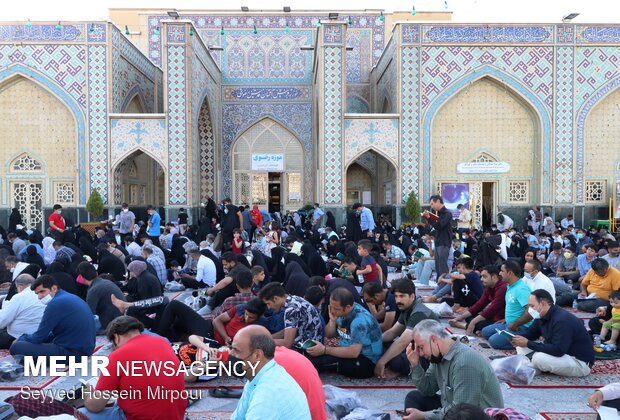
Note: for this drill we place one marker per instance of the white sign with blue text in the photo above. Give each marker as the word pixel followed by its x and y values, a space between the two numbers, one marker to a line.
pixel 269 162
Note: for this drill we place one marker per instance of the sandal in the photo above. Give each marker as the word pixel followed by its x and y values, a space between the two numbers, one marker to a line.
pixel 225 392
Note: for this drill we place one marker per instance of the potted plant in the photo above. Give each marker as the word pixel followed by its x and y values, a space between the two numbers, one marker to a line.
pixel 412 208
pixel 94 207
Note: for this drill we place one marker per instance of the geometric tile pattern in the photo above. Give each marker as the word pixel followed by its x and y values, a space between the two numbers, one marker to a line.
pixel 375 134
pixel 271 57
pixel 128 78
pixel 177 121
pixel 332 124
pixel 564 125
pixel 65 64
pixel 97 32
pixel 359 59
pixel 409 122
pixel 565 34
pixel 266 22
pixel 98 119
pixel 332 34
pixel 594 67
pixel 472 34
pixel 207 154
pixel 533 66
pixel 146 135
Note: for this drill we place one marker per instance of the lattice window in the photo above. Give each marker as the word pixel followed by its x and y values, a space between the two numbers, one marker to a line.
pixel 595 191
pixel 133 194
pixel 133 170
pixel 294 186
pixel 518 191
pixel 64 192
pixel 484 157
pixel 142 194
pixel 26 163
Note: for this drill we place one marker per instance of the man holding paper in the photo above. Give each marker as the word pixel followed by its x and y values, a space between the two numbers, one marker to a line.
pixel 608 397
pixel 600 281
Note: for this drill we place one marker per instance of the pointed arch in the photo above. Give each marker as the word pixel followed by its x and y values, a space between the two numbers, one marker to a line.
pixel 19 70
pixel 519 90
pixel 134 151
pixel 379 185
pixel 482 155
pixel 582 116
pixel 357 105
pixel 134 184
pixel 386 107
pixel 134 94
pixel 24 153
pixel 372 150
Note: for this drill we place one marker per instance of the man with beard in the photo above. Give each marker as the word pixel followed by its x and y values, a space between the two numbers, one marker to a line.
pixel 400 335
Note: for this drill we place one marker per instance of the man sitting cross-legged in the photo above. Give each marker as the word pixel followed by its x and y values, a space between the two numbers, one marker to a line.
pixel 400 335
pixel 360 339
pixel 22 314
pixel 566 349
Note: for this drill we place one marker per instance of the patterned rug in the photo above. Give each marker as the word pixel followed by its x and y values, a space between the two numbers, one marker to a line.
pixel 208 415
pixel 566 416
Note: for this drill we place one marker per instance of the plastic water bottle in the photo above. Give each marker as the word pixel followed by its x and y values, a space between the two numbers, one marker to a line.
pixel 575 304
pixel 609 347
pixel 597 340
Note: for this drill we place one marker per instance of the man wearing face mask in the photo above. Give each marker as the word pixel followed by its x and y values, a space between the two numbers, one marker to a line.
pixel 126 221
pixel 57 223
pixel 568 268
pixel 66 329
pixel 535 279
pixel 458 372
pixel 565 349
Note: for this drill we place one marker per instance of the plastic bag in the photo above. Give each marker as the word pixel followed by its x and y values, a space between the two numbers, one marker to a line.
pixel 366 414
pixel 443 310
pixel 514 370
pixel 340 402
pixel 10 369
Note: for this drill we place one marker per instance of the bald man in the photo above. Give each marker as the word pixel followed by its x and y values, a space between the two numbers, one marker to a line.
pixel 266 379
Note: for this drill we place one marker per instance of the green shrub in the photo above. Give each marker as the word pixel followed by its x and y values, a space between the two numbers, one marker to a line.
pixel 412 208
pixel 94 205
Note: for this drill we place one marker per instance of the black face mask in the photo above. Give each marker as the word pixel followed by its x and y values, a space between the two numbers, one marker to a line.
pixel 435 359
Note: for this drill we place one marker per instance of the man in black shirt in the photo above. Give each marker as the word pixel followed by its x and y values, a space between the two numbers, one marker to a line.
pixel 98 295
pixel 443 234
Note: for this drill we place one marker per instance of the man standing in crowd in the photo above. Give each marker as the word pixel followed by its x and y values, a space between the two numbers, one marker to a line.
pixel 367 220
pixel 153 225
pixel 57 222
pixel 126 221
pixel 464 220
pixel 317 214
pixel 443 235
pixel 566 348
pixel 458 372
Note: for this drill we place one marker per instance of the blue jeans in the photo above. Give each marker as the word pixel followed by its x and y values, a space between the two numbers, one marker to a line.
pixel 108 413
pixel 441 290
pixel 497 341
pixel 25 348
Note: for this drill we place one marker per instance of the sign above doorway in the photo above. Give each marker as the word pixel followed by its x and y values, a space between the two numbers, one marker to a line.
pixel 483 167
pixel 267 162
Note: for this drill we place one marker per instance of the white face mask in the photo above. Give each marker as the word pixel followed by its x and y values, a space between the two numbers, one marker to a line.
pixel 125 210
pixel 59 211
pixel 225 211
pixel 45 300
pixel 527 276
pixel 533 313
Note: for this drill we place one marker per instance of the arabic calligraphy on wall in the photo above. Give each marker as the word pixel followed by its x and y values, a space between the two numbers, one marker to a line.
pixel 266 93
pixel 270 162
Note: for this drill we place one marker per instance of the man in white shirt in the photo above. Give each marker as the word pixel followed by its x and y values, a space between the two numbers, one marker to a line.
pixel 535 279
pixel 206 272
pixel 22 314
pixel 609 396
pixel 567 221
pixel 504 222
pixel 15 266
pixel 133 249
pixel 464 220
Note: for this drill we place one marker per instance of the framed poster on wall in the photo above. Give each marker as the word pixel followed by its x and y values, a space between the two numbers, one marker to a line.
pixel 453 195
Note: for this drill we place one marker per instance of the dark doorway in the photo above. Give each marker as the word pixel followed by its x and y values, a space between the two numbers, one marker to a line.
pixel 488 203
pixel 275 187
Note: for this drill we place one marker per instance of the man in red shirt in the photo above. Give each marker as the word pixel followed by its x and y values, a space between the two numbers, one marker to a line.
pixel 141 395
pixel 57 222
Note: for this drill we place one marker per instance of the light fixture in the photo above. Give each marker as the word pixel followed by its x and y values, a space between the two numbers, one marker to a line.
pixel 191 31
pixel 445 5
pixel 215 48
pixel 332 16
pixel 245 9
pixel 349 48
pixel 318 23
pixel 92 28
pixel 350 21
pixel 569 17
pixel 126 30
pixel 156 31
pixel 381 17
pixel 306 48
pixel 28 24
pixel 173 14
pixel 255 30
pixel 286 9
pixel 58 26
pixel 286 28
pixel 413 12
pixel 222 31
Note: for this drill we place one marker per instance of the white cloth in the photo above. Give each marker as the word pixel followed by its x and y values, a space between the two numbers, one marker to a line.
pixel 206 271
pixel 49 253
pixel 540 281
pixel 464 219
pixel 611 391
pixel 507 225
pixel 18 269
pixel 22 314
pixel 134 249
